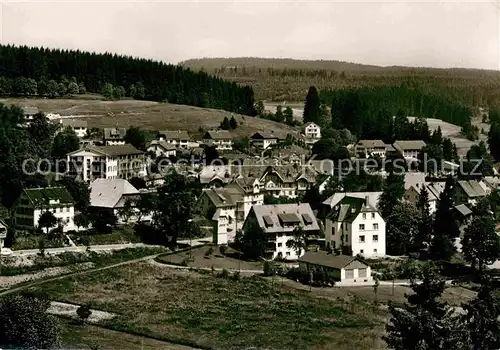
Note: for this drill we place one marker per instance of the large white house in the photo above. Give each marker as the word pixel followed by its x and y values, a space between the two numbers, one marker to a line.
pixel 107 162
pixel 178 138
pixel 279 222
pixel 33 202
pixel 221 139
pixel 312 130
pixel 114 136
pixel 370 148
pixel 228 208
pixel 409 149
pixel 264 139
pixel 78 126
pixel 162 148
pixel 355 223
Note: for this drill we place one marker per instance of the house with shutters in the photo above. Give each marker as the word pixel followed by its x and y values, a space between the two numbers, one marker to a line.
pixel 221 139
pixel 29 113
pixel 114 136
pixel 264 139
pixel 78 126
pixel 161 148
pixel 279 222
pixel 355 224
pixel 33 202
pixel 177 139
pixel 345 268
pixel 312 131
pixel 367 148
pixel 409 149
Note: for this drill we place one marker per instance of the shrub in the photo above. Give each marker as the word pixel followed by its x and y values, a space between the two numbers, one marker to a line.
pixel 223 249
pixel 84 313
pixel 209 251
pixel 269 268
pixel 236 276
pixel 223 274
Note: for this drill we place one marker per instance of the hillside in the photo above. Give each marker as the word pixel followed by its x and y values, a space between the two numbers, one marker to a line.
pixel 288 79
pixel 150 115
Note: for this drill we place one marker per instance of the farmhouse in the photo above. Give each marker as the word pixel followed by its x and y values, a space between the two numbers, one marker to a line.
pixel 78 126
pixel 221 139
pixel 112 194
pixel 177 138
pixel 345 268
pixel 279 222
pixel 34 201
pixel 367 148
pixel 312 130
pixel 29 113
pixel 114 136
pixel 409 149
pixel 162 149
pixel 264 139
pixel 469 191
pixel 355 223
pixel 107 162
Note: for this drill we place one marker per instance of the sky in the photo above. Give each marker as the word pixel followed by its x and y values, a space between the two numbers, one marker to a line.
pixel 424 33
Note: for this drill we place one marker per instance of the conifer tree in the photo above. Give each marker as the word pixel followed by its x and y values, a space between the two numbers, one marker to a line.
pixel 423 236
pixel 279 116
pixel 288 114
pixel 233 123
pixel 225 124
pixel 312 106
pixel 392 193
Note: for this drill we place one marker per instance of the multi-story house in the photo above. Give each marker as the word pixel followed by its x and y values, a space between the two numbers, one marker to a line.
pixel 279 223
pixel 78 126
pixel 264 139
pixel 34 202
pixel 107 162
pixel 470 191
pixel 221 139
pixel 178 139
pixel 114 136
pixel 312 130
pixel 162 148
pixel 29 113
pixel 356 224
pixel 228 208
pixel 409 149
pixel 369 148
pixel 434 189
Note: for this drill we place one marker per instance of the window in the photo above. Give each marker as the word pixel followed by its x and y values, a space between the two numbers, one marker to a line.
pixel 361 272
pixel 373 215
pixel 287 253
pixel 375 251
pixel 280 244
pixel 349 273
pixel 361 251
pixel 375 226
pixel 362 227
pixel 362 239
pixel 67 209
pixel 375 238
pixel 364 216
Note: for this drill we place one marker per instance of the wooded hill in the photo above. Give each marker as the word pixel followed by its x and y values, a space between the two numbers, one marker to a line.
pixel 26 71
pixel 288 79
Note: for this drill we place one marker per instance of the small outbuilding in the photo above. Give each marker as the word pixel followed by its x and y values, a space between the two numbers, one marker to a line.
pixel 345 268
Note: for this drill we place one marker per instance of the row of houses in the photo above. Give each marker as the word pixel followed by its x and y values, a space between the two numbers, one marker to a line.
pixel 408 149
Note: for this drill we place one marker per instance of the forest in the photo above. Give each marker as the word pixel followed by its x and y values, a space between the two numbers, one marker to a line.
pixel 25 69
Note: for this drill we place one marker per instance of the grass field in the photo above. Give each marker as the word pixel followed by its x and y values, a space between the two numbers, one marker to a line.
pixel 215 259
pixel 151 115
pixel 201 310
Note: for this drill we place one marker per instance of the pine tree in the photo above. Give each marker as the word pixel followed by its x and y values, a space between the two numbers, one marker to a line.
pixel 393 191
pixel 445 226
pixel 312 106
pixel 233 123
pixel 423 237
pixel 225 124
pixel 279 116
pixel 288 114
pixel 494 140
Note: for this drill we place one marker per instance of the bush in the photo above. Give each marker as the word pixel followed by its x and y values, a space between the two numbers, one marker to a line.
pixel 236 276
pixel 315 277
pixel 269 268
pixel 223 274
pixel 209 251
pixel 223 249
pixel 84 313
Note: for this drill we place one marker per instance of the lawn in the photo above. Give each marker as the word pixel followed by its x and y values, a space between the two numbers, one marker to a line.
pixel 200 258
pixel 120 235
pixel 201 310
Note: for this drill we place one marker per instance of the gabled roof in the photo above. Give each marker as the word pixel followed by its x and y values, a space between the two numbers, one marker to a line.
pixel 472 188
pixel 74 123
pixel 350 208
pixel 43 197
pixel 163 144
pixel 3 225
pixel 117 150
pixel 373 197
pixel 280 214
pixel 107 193
pixel 414 179
pixel 371 144
pixel 114 133
pixel 323 258
pixel 218 135
pixel 174 134
pixel 264 135
pixel 409 145
pixel 311 123
pixel 463 210
pixel 224 197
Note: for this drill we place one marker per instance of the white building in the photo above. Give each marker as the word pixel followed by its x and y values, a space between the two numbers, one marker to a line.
pixel 409 149
pixel 312 130
pixel 221 139
pixel 228 208
pixel 356 223
pixel 29 113
pixel 178 138
pixel 264 139
pixel 112 194
pixel 33 202
pixel 107 162
pixel 114 136
pixel 370 148
pixel 279 222
pixel 78 126
pixel 162 148
pixel 434 189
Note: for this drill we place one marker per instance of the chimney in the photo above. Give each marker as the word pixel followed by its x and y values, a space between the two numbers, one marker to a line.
pixel 367 200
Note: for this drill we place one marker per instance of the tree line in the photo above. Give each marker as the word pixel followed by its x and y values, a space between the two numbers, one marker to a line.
pixel 161 81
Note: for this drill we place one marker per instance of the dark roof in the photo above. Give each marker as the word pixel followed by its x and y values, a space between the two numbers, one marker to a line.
pixel 349 209
pixel 408 145
pixel 42 197
pixel 272 216
pixel 74 123
pixel 118 150
pixel 371 143
pixel 472 188
pixel 218 135
pixel 288 218
pixel 329 260
pixel 264 135
pixel 463 209
pixel 163 144
pixel 114 133
pixel 27 110
pixel 174 134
